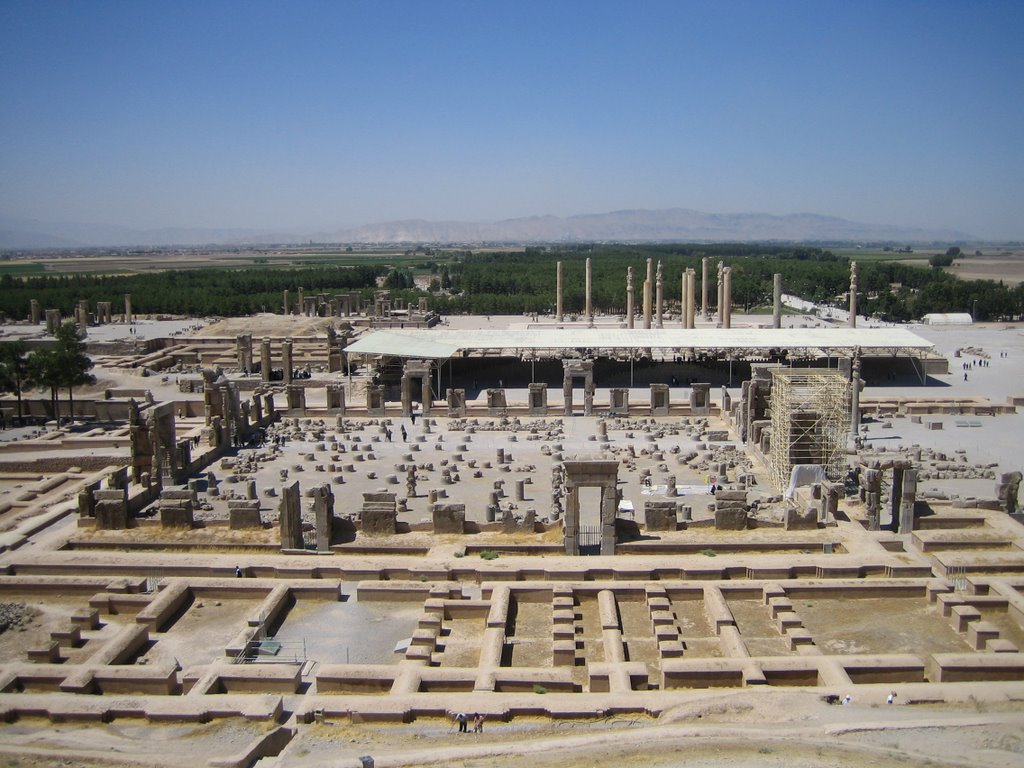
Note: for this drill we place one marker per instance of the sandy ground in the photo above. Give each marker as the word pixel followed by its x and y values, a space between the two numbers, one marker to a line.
pixel 745 729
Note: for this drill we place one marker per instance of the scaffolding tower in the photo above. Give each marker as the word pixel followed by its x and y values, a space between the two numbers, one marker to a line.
pixel 810 415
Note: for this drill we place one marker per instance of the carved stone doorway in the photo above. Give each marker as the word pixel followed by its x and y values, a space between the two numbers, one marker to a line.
pixel 603 475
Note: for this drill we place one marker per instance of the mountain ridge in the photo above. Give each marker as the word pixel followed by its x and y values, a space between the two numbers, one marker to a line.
pixel 630 225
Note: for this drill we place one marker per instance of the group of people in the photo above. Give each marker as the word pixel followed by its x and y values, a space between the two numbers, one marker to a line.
pixel 463 720
pixel 388 435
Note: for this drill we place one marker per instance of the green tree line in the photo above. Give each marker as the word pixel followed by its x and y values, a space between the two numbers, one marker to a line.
pixel 524 282
pixel 193 291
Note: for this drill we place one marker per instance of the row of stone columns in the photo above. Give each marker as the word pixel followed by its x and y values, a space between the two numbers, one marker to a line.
pixel 654 305
pixel 339 305
pixel 103 314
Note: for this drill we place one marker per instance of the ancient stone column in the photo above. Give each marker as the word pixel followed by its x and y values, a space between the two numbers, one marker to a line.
pixel 660 297
pixel 128 309
pixel 691 299
pixel 855 385
pixel 243 352
pixel 559 314
pixel 648 286
pixel 727 298
pixel 589 303
pixel 265 360
pixel 286 360
pixel 853 294
pixel 777 300
pixel 629 297
pixel 82 314
pixel 323 510
pixel 682 297
pixel 719 286
pixel 290 517
pixel 34 312
pixel 705 310
pixel 300 305
pixel 872 484
pixel 285 301
pixel 52 320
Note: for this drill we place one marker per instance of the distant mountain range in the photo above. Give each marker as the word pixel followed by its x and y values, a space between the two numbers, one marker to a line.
pixel 673 224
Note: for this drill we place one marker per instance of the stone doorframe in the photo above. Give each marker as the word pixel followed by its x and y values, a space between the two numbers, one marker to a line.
pixel 416 369
pixel 903 494
pixel 538 403
pixel 578 369
pixel 591 474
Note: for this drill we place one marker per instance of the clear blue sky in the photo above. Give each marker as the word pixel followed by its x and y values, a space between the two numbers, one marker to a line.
pixel 312 116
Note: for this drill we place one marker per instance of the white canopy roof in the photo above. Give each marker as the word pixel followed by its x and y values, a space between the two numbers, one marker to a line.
pixel 443 343
pixel 948 318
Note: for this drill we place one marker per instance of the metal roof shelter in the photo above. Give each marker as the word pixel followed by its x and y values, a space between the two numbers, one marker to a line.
pixel 441 344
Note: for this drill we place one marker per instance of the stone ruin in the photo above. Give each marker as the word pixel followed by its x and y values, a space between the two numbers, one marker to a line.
pixel 449 518
pixel 379 514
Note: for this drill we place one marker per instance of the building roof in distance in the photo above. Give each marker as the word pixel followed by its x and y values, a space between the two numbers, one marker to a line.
pixel 443 343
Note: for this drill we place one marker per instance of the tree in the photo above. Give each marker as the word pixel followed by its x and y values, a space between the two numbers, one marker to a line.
pixel 44 369
pixel 73 364
pixel 14 370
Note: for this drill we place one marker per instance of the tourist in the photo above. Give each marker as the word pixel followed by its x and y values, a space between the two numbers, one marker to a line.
pixel 461 719
pixel 404 433
pixel 847 699
pixel 478 723
pixel 238 572
pixel 891 697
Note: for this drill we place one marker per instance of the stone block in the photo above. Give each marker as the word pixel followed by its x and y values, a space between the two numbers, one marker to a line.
pixel 660 515
pixel 980 634
pixel 449 518
pixel 379 522
pixel 801 521
pixel 962 616
pixel 176 516
pixel 111 515
pixel 787 620
pixel 798 636
pixel 1001 645
pixel 244 517
pixel 731 519
pixel 564 653
pixel 740 496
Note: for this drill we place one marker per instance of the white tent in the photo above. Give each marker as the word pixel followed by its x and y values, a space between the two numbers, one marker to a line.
pixel 948 318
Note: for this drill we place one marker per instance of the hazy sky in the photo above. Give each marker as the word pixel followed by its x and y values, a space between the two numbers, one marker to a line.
pixel 312 116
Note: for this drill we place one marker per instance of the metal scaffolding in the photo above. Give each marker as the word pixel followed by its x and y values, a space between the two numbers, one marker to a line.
pixel 810 413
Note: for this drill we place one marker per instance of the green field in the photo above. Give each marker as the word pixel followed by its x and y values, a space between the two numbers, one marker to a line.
pixel 21 268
